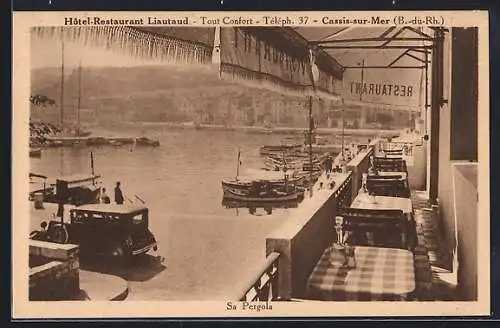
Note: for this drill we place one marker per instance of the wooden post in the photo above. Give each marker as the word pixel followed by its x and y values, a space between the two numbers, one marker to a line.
pixel 436 102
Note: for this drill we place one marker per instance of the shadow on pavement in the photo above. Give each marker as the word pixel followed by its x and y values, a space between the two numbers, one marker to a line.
pixel 140 268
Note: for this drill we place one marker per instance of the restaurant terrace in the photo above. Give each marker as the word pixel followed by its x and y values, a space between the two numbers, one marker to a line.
pixel 400 221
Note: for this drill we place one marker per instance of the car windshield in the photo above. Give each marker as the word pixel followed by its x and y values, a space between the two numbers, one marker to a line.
pixel 83 216
pixel 138 218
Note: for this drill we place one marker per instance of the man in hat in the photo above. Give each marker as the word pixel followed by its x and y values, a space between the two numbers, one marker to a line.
pixel 118 194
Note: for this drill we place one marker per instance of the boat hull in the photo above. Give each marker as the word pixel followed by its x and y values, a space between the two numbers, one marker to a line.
pixel 36 152
pixel 231 195
pixel 261 192
pixel 279 149
pixel 233 203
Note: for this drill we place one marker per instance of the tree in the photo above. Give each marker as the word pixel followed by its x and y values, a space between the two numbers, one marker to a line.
pixel 41 100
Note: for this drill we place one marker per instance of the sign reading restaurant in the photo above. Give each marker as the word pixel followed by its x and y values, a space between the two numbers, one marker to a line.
pixel 394 87
pixel 381 89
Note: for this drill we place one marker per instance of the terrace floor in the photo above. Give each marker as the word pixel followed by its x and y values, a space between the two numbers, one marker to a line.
pixel 433 278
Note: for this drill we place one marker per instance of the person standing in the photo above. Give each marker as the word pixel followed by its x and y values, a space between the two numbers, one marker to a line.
pixel 104 197
pixel 329 164
pixel 118 194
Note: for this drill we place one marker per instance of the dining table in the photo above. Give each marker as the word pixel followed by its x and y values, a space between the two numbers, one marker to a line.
pixel 366 201
pixel 380 274
pixel 396 178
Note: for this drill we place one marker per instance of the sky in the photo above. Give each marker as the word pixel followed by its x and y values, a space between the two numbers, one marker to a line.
pixel 47 53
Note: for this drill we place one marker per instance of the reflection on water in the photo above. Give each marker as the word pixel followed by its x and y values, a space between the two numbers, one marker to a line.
pixel 256 208
pixel 181 177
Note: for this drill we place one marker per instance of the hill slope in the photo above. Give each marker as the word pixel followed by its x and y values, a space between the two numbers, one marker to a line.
pixel 156 93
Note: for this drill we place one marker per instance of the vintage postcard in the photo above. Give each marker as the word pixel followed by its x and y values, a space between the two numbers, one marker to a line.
pixel 250 164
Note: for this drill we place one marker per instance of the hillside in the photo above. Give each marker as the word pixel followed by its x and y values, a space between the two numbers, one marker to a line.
pixel 155 93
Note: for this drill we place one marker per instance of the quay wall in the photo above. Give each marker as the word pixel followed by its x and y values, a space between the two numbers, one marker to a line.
pixel 54 271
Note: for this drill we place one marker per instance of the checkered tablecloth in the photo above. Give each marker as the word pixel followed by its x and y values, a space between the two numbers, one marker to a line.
pixel 365 201
pixel 380 274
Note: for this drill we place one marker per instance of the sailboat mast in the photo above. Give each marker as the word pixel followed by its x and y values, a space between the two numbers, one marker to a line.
pixel 284 170
pixel 310 147
pixel 238 164
pixel 343 129
pixel 79 98
pixel 62 80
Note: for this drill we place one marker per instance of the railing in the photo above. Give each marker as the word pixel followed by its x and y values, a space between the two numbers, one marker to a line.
pixel 343 194
pixel 264 285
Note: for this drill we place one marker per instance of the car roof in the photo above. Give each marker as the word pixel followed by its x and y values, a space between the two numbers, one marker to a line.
pixel 111 208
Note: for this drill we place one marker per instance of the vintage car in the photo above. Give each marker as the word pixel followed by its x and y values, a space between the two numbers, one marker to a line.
pixel 118 232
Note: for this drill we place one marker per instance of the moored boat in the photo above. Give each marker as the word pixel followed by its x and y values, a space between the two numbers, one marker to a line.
pixel 231 203
pixel 75 189
pixel 35 152
pixel 261 186
pixel 278 149
pixel 260 191
pixel 297 162
pixel 143 141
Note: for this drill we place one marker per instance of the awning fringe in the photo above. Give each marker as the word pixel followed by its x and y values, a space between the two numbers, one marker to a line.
pixel 129 40
pixel 265 81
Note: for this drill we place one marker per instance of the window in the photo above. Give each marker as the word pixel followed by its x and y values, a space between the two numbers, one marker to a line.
pixel 137 219
pixel 97 216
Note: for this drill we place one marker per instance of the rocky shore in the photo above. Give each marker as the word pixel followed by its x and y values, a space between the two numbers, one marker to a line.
pixel 39 131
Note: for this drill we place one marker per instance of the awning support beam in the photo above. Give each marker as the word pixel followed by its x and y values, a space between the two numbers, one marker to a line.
pixel 372 40
pixel 417 31
pixel 345 29
pixel 394 36
pixel 386 32
pixel 387 67
pixel 376 47
pixel 421 51
pixel 399 57
pixel 415 57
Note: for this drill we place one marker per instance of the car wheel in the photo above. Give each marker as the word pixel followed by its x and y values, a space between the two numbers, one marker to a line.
pixel 58 234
